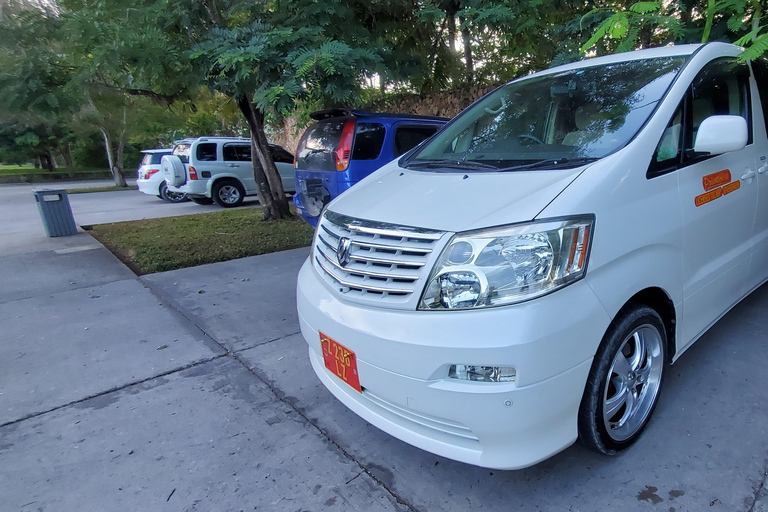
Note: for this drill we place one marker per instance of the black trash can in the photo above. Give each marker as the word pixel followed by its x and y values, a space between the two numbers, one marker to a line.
pixel 55 212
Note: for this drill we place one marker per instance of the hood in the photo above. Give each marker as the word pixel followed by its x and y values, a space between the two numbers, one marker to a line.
pixel 453 201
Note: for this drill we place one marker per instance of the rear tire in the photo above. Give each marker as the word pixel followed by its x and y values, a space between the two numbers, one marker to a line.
pixel 169 196
pixel 202 200
pixel 228 193
pixel 624 382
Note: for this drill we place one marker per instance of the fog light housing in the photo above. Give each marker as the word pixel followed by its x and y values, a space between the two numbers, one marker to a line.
pixel 482 373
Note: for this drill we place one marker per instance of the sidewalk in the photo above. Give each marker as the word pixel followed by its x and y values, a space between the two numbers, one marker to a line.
pixel 192 390
pixel 111 399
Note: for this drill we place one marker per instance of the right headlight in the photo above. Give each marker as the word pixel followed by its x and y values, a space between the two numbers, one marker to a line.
pixel 509 264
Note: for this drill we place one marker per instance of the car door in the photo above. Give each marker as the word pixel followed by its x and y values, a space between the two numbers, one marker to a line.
pixel 237 158
pixel 718 200
pixel 759 268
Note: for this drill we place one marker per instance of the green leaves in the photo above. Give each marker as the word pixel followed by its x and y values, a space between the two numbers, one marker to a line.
pixel 756 49
pixel 645 7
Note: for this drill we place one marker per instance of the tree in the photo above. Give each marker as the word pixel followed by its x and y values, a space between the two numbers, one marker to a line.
pixel 640 24
pixel 35 104
pixel 264 68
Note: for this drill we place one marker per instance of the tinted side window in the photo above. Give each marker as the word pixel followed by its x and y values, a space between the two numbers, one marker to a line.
pixel 408 137
pixel 760 68
pixel 206 152
pixel 369 137
pixel 237 152
pixel 721 88
pixel 280 155
pixel 156 158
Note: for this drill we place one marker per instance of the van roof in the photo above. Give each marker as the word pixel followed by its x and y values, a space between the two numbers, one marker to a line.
pixel 349 112
pixel 649 53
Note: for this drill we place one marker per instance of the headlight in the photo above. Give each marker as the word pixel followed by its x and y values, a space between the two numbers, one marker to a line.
pixel 509 264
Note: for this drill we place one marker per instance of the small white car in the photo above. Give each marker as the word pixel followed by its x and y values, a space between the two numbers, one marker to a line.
pixel 219 169
pixel 151 180
pixel 526 276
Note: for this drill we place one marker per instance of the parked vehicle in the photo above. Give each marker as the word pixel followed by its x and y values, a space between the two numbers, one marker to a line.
pixel 151 181
pixel 344 146
pixel 526 276
pixel 220 169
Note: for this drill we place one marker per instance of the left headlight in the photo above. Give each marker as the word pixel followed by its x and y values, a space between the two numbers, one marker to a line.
pixel 509 264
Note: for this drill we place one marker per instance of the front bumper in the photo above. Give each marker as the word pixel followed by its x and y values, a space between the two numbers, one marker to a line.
pixel 403 359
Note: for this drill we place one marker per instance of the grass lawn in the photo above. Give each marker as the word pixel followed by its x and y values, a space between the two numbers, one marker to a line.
pixel 156 245
pixel 28 169
pixel 113 188
pixel 18 169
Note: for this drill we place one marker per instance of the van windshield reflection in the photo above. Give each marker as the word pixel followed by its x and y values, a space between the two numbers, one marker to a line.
pixel 559 120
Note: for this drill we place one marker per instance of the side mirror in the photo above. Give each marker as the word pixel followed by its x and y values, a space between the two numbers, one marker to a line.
pixel 721 134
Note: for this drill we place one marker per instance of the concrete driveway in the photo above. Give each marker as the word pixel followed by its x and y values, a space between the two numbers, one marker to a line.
pixel 191 390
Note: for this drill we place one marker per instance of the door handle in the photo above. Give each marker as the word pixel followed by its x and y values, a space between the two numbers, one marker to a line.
pixel 762 169
pixel 232 165
pixel 749 175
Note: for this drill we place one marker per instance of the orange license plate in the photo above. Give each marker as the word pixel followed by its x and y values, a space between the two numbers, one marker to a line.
pixel 340 361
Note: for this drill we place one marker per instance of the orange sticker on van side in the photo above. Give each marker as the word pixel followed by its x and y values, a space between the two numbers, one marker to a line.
pixel 708 196
pixel 736 185
pixel 717 179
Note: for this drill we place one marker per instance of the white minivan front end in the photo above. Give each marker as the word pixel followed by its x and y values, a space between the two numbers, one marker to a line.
pixel 518 281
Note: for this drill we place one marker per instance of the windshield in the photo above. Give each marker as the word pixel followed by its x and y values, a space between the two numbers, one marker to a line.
pixel 563 119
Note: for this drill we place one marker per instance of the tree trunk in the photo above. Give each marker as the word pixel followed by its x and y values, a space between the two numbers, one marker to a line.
pixel 265 173
pixel 66 153
pixel 451 17
pixel 119 180
pixel 47 161
pixel 470 71
pixel 710 18
pixel 121 149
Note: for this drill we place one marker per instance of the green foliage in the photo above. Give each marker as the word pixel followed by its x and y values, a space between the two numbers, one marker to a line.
pixel 278 67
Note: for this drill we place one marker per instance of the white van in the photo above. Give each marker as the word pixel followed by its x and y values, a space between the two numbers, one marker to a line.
pixel 524 278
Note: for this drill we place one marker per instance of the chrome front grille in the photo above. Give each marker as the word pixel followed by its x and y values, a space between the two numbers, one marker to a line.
pixel 374 262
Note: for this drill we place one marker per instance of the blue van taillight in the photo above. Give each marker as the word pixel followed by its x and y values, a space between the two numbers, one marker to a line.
pixel 344 150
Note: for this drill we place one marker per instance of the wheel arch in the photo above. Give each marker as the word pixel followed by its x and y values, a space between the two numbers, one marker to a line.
pixel 222 177
pixel 659 300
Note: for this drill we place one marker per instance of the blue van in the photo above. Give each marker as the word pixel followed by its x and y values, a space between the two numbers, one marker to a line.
pixel 344 146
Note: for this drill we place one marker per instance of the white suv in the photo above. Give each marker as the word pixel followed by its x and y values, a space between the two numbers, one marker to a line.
pixel 220 169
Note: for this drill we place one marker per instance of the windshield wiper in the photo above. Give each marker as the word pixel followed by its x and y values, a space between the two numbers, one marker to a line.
pixel 551 163
pixel 450 164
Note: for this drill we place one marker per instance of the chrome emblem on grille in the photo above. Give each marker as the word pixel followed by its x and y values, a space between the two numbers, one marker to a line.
pixel 342 252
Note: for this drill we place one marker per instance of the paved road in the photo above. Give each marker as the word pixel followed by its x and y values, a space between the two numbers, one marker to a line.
pixel 191 390
pixel 22 228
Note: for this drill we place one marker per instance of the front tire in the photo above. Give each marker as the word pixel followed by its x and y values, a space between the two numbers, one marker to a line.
pixel 228 193
pixel 624 382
